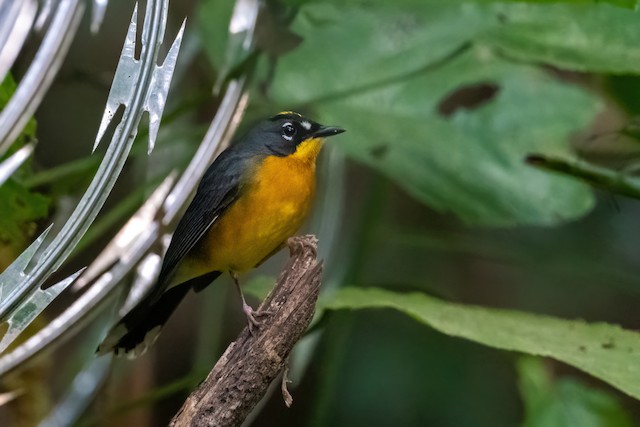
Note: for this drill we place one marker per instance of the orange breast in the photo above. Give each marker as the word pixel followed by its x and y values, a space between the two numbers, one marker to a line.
pixel 271 208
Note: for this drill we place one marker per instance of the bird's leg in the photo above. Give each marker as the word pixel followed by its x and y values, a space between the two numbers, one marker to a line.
pixel 252 315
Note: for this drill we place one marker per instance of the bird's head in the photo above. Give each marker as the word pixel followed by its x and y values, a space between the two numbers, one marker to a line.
pixel 290 133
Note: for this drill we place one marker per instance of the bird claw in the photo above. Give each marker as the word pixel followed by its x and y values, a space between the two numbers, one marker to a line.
pixel 255 318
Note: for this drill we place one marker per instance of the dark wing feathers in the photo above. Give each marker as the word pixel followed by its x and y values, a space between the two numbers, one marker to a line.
pixel 218 189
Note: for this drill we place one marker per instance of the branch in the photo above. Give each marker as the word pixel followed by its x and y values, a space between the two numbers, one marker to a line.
pixel 242 375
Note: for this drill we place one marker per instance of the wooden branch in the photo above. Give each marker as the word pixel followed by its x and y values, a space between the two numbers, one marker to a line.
pixel 242 375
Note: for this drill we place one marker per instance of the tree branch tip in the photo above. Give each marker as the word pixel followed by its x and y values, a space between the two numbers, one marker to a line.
pixel 303 243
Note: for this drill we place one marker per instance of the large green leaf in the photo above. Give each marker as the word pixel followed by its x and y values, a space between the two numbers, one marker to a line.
pixel 472 162
pixel 605 351
pixel 565 402
pixel 390 90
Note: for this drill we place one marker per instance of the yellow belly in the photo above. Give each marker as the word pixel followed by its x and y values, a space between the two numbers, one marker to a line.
pixel 268 213
pixel 271 208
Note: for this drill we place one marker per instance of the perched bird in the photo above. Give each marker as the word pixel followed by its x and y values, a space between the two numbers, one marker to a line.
pixel 254 196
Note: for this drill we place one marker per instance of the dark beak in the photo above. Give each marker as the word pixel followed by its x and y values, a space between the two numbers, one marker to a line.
pixel 326 131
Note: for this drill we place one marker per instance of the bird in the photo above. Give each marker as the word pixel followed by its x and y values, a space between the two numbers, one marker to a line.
pixel 252 198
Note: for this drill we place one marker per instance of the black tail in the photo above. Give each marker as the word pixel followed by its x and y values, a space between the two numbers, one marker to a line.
pixel 139 329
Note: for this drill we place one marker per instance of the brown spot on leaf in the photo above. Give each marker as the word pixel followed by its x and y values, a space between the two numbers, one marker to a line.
pixel 467 97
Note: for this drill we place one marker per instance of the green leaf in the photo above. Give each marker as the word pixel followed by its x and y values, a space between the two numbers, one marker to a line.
pixel 399 92
pixel 20 207
pixel 565 402
pixel 7 88
pixel 472 162
pixel 605 351
pixel 350 49
pixel 18 211
pixel 596 38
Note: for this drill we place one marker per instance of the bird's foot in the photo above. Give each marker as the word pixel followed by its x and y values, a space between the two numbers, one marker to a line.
pixel 255 318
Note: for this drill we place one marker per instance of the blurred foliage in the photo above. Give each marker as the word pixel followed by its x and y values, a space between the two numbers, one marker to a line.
pixel 551 402
pixel 20 207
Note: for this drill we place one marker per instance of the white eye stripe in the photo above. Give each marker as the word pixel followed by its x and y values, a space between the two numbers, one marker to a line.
pixel 305 124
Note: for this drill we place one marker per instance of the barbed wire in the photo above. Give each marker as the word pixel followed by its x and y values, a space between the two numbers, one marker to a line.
pixel 135 252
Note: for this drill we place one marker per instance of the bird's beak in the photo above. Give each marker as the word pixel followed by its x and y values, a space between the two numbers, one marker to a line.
pixel 326 131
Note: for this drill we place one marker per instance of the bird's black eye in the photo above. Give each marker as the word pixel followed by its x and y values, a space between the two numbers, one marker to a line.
pixel 288 131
